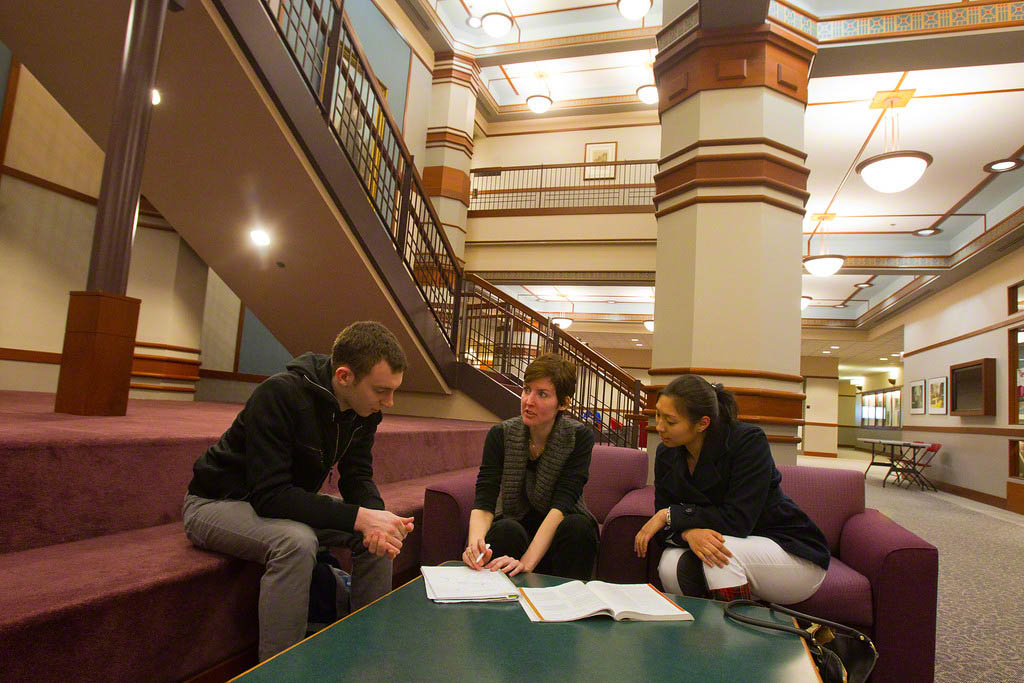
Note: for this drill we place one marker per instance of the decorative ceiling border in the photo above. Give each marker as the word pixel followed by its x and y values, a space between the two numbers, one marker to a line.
pixel 898 23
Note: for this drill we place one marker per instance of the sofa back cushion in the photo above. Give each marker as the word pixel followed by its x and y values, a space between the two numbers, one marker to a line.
pixel 828 496
pixel 614 472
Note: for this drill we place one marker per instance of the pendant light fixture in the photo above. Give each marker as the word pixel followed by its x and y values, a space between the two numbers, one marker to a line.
pixel 496 24
pixel 648 94
pixel 634 10
pixel 805 301
pixel 564 323
pixel 540 102
pixel 894 170
pixel 824 264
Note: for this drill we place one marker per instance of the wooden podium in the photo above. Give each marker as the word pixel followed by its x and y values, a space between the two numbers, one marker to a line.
pixel 96 365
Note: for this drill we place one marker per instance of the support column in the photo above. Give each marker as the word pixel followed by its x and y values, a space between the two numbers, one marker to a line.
pixel 730 194
pixel 99 339
pixel 450 143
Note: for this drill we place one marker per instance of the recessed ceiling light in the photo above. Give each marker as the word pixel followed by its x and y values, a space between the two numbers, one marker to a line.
pixel 260 238
pixel 634 340
pixel 474 22
pixel 883 358
pixel 155 97
pixel 833 347
pixel 826 352
pixel 863 285
pixel 496 24
pixel 927 232
pixel 1003 165
pixel 839 306
pixel 611 301
pixel 639 344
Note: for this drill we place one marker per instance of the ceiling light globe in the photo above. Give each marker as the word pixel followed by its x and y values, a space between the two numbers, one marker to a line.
pixel 474 22
pixel 260 238
pixel 825 265
pixel 538 104
pixel 649 324
pixel 805 301
pixel 648 94
pixel 496 24
pixel 564 323
pixel 634 10
pixel 893 171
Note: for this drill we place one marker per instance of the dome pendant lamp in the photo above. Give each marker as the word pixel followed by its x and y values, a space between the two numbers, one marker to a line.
pixel 894 170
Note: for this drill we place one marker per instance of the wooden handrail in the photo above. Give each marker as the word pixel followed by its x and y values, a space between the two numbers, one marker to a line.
pixel 580 164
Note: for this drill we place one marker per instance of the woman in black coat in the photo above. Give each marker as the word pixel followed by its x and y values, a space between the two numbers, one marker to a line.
pixel 727 527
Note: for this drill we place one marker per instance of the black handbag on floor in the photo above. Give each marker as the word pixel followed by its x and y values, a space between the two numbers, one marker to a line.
pixel 842 654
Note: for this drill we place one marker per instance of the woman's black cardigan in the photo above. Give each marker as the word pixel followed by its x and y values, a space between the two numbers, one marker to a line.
pixel 734 490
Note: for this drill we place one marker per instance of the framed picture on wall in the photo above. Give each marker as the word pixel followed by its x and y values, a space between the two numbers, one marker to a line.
pixel 599 153
pixel 917 397
pixel 937 396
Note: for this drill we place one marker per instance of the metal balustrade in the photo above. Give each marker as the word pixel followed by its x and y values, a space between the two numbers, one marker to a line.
pixel 612 185
pixel 484 326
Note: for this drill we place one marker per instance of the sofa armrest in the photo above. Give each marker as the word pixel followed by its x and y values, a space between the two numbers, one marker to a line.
pixel 616 561
pixel 903 570
pixel 446 508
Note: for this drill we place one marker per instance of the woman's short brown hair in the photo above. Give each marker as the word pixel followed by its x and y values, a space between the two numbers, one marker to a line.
pixel 561 372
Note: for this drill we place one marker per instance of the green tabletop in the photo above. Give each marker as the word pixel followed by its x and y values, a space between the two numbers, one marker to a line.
pixel 406 637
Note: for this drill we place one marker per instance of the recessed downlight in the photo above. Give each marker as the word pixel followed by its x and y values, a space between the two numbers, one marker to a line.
pixel 1003 165
pixel 863 285
pixel 839 306
pixel 260 238
pixel 927 232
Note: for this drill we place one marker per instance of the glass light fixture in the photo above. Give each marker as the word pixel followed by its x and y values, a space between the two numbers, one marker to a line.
pixel 260 238
pixel 1003 165
pixel 649 324
pixel 538 104
pixel 894 170
pixel 634 10
pixel 564 323
pixel 805 301
pixel 926 232
pixel 863 285
pixel 155 97
pixel 474 21
pixel 496 24
pixel 824 264
pixel 648 94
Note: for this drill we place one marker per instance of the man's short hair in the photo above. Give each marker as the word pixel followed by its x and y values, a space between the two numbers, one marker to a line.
pixel 561 372
pixel 362 345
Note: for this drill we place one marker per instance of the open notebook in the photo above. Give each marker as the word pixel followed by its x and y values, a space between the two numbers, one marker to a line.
pixel 462 584
pixel 577 600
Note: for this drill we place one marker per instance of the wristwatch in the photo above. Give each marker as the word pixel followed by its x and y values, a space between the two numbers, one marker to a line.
pixel 668 518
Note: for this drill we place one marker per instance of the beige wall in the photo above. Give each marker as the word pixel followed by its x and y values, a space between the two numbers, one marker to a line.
pixel 46 240
pixel 977 462
pixel 821 405
pixel 847 417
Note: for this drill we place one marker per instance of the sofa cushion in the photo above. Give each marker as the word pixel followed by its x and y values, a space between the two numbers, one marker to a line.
pixel 614 472
pixel 844 597
pixel 123 607
pixel 828 496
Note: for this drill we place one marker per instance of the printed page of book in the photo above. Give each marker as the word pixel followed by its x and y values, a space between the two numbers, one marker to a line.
pixel 639 601
pixel 462 584
pixel 567 602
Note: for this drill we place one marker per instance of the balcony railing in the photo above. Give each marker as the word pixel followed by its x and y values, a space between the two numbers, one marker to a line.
pixel 618 186
pixel 484 326
pixel 501 336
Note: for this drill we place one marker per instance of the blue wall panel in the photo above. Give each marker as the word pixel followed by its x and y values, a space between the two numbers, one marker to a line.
pixel 386 49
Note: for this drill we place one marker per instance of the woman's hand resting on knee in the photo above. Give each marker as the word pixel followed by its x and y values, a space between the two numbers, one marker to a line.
pixel 708 545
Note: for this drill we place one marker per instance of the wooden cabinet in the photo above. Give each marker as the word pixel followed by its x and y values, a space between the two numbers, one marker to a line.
pixel 972 388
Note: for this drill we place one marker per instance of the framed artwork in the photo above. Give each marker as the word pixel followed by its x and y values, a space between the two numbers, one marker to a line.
pixel 917 397
pixel 599 153
pixel 937 396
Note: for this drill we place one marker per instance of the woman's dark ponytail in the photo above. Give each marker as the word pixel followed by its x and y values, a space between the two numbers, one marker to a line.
pixel 696 397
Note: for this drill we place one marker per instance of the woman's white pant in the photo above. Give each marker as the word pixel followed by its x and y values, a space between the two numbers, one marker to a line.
pixel 773 574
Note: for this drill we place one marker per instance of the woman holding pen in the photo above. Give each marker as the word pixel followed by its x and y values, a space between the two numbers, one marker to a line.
pixel 729 530
pixel 529 514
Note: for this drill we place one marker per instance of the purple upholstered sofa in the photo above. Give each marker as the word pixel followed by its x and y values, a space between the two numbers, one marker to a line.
pixel 882 580
pixel 616 485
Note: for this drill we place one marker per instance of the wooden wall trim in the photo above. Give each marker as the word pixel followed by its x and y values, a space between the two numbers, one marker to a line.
pixel 771 420
pixel 821 424
pixel 739 198
pixel 727 372
pixel 836 377
pixel 729 142
pixel 978 431
pixel 1010 322
pixel 779 438
pixel 575 164
pixel 48 185
pixel 167 347
pixel 26 356
pixel 971 494
pixel 10 95
pixel 820 454
pixel 231 376
pixel 445 181
pixel 167 359
pixel 174 388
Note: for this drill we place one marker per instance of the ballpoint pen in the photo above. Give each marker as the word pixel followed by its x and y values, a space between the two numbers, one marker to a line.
pixel 487 546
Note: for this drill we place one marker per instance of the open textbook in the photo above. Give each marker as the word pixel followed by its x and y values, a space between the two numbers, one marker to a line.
pixel 462 584
pixel 577 600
